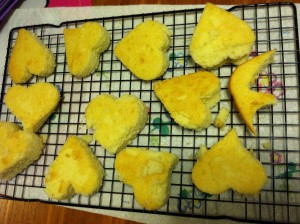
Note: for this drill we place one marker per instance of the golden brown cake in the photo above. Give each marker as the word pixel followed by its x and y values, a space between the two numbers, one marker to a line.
pixel 249 101
pixel 144 50
pixel 29 57
pixel 32 105
pixel 149 174
pixel 227 164
pixel 18 149
pixel 76 170
pixel 220 37
pixel 188 98
pixel 84 46
pixel 116 121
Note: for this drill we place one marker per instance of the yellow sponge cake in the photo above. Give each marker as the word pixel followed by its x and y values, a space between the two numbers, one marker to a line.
pixel 116 121
pixel 220 37
pixel 84 46
pixel 188 98
pixel 32 105
pixel 149 174
pixel 144 50
pixel 249 101
pixel 18 149
pixel 228 165
pixel 29 57
pixel 76 170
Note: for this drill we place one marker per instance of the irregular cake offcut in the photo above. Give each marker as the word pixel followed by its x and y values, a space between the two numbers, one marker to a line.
pixel 221 118
pixel 144 50
pixel 220 37
pixel 76 170
pixel 149 174
pixel 189 98
pixel 249 101
pixel 30 56
pixel 84 46
pixel 32 105
pixel 228 165
pixel 116 121
pixel 18 149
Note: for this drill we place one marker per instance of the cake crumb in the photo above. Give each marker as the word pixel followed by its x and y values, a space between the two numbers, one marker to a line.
pixel 201 151
pixel 266 145
pixel 220 120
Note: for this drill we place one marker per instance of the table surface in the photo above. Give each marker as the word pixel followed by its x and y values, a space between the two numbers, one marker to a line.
pixel 13 211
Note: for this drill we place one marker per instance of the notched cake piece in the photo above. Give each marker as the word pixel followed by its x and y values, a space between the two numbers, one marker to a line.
pixel 116 121
pixel 228 165
pixel 148 173
pixel 144 50
pixel 84 46
pixel 32 105
pixel 220 37
pixel 30 56
pixel 189 98
pixel 18 149
pixel 76 170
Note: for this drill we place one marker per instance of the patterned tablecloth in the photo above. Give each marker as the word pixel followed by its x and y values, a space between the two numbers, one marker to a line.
pixel 278 127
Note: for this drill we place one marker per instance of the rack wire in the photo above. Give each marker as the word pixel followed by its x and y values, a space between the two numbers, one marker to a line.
pixel 277 144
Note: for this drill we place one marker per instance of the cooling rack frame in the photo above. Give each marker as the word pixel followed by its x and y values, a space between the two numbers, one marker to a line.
pixel 161 132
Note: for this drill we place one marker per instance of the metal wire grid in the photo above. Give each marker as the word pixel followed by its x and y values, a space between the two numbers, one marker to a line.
pixel 275 26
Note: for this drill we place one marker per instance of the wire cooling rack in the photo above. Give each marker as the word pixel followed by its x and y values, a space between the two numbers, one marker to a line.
pixel 277 144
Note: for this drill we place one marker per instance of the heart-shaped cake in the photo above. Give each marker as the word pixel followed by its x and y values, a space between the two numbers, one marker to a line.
pixel 32 105
pixel 188 98
pixel 247 100
pixel 228 165
pixel 220 37
pixel 116 121
pixel 144 50
pixel 149 174
pixel 29 57
pixel 76 170
pixel 84 46
pixel 18 149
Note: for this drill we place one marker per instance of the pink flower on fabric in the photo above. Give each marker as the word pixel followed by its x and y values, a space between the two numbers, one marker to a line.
pixel 270 83
pixel 275 157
